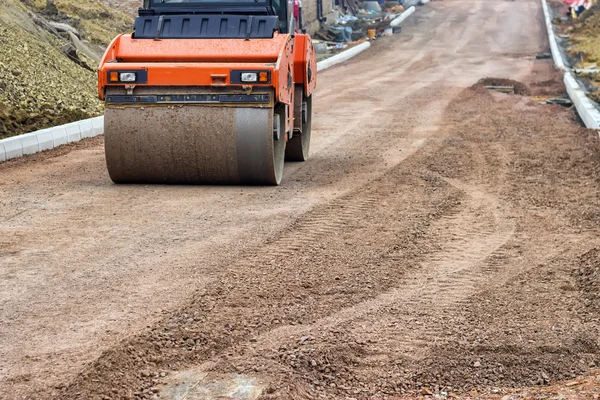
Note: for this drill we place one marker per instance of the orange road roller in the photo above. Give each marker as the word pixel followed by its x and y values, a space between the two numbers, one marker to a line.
pixel 208 92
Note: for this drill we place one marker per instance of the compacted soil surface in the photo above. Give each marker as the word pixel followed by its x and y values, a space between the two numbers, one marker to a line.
pixel 442 241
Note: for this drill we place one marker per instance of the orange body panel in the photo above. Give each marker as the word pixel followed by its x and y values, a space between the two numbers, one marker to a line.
pixel 188 74
pixel 129 49
pixel 305 60
pixel 197 62
pixel 193 62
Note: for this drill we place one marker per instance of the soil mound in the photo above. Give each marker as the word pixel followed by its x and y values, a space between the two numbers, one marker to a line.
pixel 588 277
pixel 44 79
pixel 520 88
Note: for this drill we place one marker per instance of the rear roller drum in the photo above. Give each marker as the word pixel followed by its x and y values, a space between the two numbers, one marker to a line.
pixel 298 147
pixel 194 145
pixel 279 145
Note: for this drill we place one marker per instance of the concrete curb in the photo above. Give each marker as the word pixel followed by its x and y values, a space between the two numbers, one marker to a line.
pixel 588 113
pixel 556 56
pixel 343 56
pixel 50 138
pixel 399 19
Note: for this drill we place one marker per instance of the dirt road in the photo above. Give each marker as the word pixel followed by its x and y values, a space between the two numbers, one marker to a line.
pixel 441 237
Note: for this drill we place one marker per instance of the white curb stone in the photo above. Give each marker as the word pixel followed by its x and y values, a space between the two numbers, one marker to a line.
pixel 45 139
pixel 29 143
pixel 87 128
pixel 556 56
pixel 13 147
pixel 587 111
pixel 59 133
pixel 2 153
pixel 399 19
pixel 73 132
pixel 97 125
pixel 343 56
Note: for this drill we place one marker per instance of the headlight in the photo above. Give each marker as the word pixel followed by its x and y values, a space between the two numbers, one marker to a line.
pixel 249 77
pixel 127 76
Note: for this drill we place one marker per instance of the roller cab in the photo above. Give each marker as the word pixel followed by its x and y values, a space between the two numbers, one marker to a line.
pixel 208 92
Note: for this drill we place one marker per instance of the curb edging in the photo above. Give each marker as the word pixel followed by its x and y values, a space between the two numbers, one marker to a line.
pixel 588 113
pixel 50 138
pixel 343 56
pixel 399 19
pixel 556 56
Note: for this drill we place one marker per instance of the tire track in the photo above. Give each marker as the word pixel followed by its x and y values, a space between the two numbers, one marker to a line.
pixel 449 276
pixel 270 282
pixel 472 235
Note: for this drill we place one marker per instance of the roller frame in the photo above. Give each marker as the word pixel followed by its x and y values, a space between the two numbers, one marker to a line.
pixel 163 141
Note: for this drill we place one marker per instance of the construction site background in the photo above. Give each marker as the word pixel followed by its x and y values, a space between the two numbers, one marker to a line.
pixel 580 34
pixel 310 10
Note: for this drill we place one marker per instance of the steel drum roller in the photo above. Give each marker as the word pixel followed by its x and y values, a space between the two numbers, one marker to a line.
pixel 193 145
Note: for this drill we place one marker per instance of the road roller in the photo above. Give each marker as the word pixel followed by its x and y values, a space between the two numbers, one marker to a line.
pixel 208 92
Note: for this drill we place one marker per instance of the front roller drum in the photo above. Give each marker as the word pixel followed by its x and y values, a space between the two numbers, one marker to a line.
pixel 194 145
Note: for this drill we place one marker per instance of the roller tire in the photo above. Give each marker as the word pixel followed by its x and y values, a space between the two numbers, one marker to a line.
pixel 298 146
